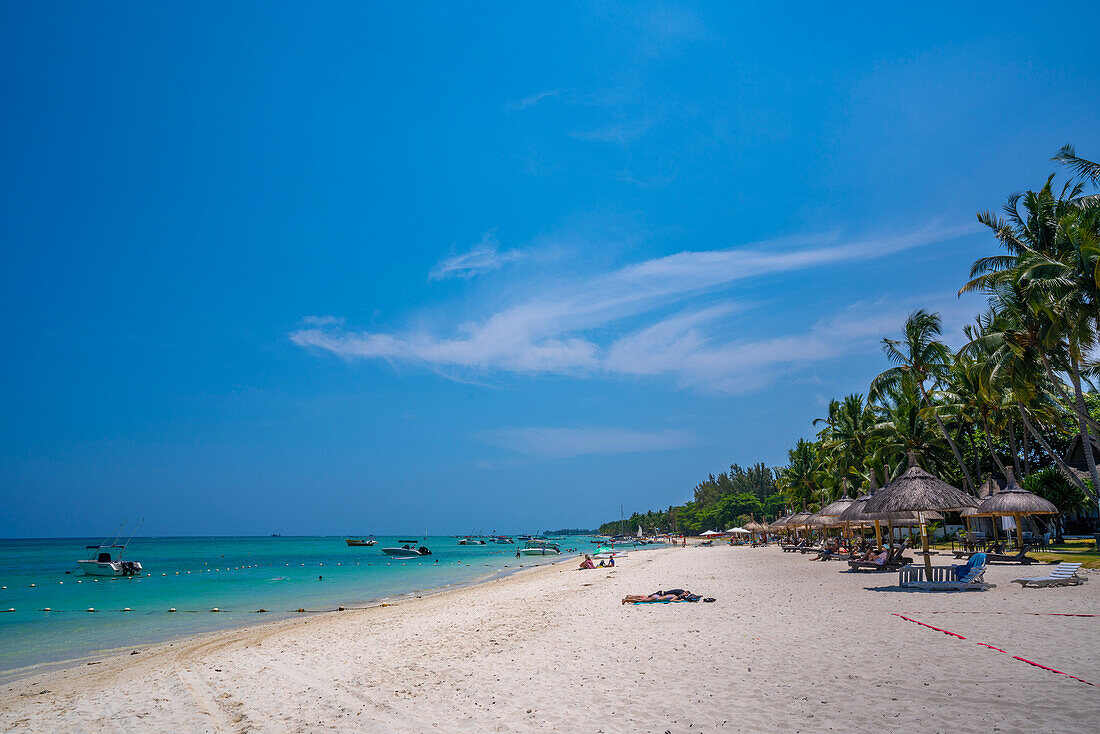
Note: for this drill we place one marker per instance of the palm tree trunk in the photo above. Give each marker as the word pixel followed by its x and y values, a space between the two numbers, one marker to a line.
pixel 977 454
pixel 1081 412
pixel 1069 473
pixel 1086 440
pixel 989 445
pixel 950 441
pixel 1027 453
pixel 1012 445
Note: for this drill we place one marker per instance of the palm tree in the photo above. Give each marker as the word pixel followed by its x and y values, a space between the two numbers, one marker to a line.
pixel 1085 169
pixel 901 428
pixel 802 476
pixel 920 356
pixel 1049 281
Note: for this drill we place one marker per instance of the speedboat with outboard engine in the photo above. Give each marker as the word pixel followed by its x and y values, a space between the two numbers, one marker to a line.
pixel 106 560
pixel 407 550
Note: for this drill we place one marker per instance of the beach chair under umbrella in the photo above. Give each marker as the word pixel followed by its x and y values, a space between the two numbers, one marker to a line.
pixel 1016 502
pixel 918 491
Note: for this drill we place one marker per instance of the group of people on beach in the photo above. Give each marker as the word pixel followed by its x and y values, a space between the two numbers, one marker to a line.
pixel 833 547
pixel 588 563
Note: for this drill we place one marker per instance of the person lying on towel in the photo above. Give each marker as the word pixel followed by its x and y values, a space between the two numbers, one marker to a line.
pixel 670 595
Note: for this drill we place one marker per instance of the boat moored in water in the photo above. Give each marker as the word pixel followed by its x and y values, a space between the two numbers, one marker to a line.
pixel 407 550
pixel 539 548
pixel 106 560
pixel 360 542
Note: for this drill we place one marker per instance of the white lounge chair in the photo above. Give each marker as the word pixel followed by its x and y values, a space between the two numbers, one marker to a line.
pixel 1064 574
pixel 912 577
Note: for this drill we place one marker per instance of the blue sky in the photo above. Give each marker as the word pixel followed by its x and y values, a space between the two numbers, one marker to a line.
pixel 338 268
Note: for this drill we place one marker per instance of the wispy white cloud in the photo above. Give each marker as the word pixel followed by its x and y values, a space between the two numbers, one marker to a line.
pixel 560 443
pixel 483 257
pixel 535 99
pixel 590 326
pixel 623 132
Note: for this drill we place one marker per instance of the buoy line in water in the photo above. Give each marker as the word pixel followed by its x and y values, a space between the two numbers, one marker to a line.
pixel 96 580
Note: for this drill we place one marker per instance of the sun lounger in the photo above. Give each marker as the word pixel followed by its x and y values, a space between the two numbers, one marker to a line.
pixel 943 579
pixel 789 548
pixel 893 563
pixel 1020 557
pixel 1064 574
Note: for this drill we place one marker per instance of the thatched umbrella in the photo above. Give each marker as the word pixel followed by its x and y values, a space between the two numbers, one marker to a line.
pixel 853 513
pixel 798 520
pixel 756 528
pixel 829 515
pixel 1015 502
pixel 918 491
pixel 779 525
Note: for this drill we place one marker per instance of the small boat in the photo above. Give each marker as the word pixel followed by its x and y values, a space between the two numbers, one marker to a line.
pixel 539 548
pixel 468 540
pixel 107 561
pixel 502 539
pixel 407 551
pixel 106 558
pixel 360 542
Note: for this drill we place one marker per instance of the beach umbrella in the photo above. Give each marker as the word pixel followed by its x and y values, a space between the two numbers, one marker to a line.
pixel 708 533
pixel 829 515
pixel 798 520
pixel 1015 502
pixel 779 525
pixel 918 491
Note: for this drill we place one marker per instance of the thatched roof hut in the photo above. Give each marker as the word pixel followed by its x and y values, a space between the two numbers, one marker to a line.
pixel 918 491
pixel 779 524
pixel 1016 502
pixel 798 520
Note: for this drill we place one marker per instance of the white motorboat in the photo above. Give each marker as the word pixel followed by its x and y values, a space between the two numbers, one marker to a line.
pixel 408 550
pixel 107 560
pixel 539 548
pixel 469 540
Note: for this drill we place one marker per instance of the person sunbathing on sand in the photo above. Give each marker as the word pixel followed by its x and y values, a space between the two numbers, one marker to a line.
pixel 636 598
pixel 670 595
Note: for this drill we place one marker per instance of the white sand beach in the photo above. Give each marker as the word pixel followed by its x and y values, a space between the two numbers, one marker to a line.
pixel 788 646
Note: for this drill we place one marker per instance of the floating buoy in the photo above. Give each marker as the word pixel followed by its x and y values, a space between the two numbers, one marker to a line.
pixel 172 609
pixel 60 582
pixel 79 581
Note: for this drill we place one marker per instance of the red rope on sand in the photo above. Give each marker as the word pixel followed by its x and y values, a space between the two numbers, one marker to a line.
pixel 922 624
pixel 1034 614
pixel 1014 657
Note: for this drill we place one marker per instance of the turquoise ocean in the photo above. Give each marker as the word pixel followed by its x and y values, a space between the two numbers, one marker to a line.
pixel 194 575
